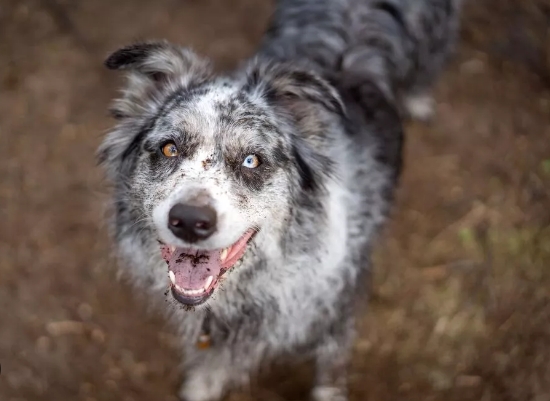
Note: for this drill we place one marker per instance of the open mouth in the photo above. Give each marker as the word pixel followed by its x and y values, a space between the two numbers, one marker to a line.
pixel 194 274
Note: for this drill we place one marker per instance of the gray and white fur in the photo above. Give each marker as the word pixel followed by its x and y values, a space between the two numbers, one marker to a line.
pixel 319 109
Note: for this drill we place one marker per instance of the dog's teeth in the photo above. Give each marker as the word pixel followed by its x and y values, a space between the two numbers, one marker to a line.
pixel 208 282
pixel 189 291
pixel 193 292
pixel 223 255
pixel 172 277
pixel 172 248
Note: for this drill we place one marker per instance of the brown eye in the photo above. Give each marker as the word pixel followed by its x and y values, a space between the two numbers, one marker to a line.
pixel 170 150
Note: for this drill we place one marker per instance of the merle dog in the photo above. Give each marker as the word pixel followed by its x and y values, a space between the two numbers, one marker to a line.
pixel 255 196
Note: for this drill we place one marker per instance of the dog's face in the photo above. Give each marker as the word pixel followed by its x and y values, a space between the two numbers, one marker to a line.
pixel 203 164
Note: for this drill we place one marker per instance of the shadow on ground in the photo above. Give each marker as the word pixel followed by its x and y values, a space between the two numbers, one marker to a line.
pixel 460 307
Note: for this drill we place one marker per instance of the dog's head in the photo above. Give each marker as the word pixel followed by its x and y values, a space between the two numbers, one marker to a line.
pixel 203 165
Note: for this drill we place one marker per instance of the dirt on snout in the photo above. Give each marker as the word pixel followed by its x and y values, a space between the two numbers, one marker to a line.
pixel 460 307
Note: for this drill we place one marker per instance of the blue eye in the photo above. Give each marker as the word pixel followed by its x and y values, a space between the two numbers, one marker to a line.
pixel 251 161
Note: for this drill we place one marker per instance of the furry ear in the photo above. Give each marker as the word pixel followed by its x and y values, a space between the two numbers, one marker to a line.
pixel 158 60
pixel 154 69
pixel 288 82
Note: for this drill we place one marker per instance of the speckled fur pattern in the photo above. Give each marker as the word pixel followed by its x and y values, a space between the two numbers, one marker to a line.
pixel 402 45
pixel 321 103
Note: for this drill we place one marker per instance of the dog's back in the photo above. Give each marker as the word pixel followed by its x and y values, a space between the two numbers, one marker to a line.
pixel 401 45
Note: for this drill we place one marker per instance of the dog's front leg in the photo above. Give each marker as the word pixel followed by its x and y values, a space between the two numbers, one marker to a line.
pixel 332 360
pixel 208 375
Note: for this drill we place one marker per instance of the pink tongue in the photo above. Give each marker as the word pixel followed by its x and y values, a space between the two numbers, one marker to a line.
pixel 192 268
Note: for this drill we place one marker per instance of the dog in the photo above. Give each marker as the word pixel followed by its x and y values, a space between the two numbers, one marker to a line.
pixel 253 198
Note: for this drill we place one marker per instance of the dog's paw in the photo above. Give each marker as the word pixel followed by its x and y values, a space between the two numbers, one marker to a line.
pixel 197 389
pixel 419 107
pixel 325 393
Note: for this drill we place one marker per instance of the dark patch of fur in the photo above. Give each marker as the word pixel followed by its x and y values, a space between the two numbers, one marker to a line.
pixel 131 55
pixel 392 10
pixel 253 178
pixel 282 82
pixel 308 179
pixel 380 116
pixel 130 155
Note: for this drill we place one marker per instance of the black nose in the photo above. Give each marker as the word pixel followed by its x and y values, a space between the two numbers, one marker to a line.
pixel 192 223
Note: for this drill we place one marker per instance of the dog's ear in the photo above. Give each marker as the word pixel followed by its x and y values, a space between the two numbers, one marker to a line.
pixel 158 61
pixel 153 70
pixel 287 83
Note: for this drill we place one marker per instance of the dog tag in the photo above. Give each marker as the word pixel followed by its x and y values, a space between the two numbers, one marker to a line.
pixel 203 342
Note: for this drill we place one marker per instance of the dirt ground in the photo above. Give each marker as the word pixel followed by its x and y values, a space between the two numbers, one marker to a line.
pixel 461 291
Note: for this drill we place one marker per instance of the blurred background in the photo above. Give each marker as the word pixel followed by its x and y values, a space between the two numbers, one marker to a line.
pixel 460 304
